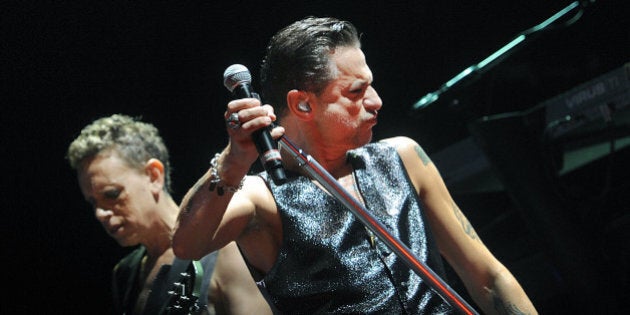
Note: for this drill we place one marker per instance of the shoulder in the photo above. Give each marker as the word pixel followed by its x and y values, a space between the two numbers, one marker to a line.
pixel 255 205
pixel 408 149
pixel 256 191
pixel 421 170
pixel 399 141
pixel 130 260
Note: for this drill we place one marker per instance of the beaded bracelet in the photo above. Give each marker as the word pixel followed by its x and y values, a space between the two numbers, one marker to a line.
pixel 215 180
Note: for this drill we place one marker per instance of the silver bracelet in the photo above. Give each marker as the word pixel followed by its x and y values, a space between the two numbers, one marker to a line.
pixel 215 180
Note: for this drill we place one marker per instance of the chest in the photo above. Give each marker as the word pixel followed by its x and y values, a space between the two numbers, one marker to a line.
pixel 349 184
pixel 149 269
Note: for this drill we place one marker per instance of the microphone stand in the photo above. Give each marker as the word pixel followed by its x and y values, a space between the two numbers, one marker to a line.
pixel 330 183
pixel 472 73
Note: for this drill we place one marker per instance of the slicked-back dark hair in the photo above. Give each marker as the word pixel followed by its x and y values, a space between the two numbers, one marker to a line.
pixel 298 57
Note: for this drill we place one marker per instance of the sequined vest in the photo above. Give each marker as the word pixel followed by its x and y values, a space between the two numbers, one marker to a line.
pixel 327 262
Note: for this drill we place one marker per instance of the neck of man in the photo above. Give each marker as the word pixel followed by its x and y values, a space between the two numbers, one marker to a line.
pixel 333 161
pixel 331 158
pixel 159 238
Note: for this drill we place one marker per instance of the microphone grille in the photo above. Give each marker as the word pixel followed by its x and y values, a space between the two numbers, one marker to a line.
pixel 236 74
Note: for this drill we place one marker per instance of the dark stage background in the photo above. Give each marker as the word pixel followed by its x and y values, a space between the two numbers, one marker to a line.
pixel 67 63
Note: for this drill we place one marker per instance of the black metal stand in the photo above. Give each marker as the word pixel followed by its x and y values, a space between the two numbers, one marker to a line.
pixel 467 76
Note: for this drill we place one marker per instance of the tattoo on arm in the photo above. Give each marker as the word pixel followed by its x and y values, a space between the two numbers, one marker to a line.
pixel 193 191
pixel 423 155
pixel 505 308
pixel 468 228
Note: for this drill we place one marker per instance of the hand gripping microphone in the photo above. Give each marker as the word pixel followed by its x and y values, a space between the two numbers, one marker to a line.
pixel 237 79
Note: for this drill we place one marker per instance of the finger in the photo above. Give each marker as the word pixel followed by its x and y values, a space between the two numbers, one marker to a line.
pixel 256 123
pixel 270 111
pixel 240 104
pixel 252 113
pixel 233 121
pixel 277 132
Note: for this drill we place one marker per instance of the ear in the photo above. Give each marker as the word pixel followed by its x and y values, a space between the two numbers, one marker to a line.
pixel 155 169
pixel 304 107
pixel 298 104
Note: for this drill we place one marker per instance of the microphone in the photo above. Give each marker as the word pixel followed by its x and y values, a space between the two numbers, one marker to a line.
pixel 237 79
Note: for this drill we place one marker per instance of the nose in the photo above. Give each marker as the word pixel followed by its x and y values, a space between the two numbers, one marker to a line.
pixel 102 214
pixel 372 102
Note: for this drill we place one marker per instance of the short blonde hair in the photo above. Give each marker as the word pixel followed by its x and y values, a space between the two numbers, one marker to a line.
pixel 135 141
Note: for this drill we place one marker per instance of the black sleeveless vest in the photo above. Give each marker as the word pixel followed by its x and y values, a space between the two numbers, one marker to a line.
pixel 328 262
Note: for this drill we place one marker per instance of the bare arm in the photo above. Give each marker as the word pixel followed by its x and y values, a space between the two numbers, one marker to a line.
pixel 209 220
pixel 235 288
pixel 203 221
pixel 489 283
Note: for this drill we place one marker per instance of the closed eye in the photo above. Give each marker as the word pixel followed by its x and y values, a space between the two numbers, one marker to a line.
pixel 359 87
pixel 356 91
pixel 112 194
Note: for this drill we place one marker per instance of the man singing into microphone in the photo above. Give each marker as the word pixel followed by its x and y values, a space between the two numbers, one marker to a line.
pixel 310 253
